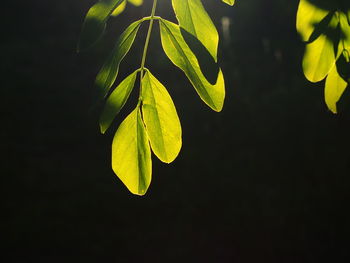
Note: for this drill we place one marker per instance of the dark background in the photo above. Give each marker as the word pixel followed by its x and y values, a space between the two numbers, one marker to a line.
pixel 265 180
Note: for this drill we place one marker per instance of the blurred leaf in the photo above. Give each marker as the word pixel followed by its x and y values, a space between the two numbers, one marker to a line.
pixel 119 9
pixel 136 2
pixel 180 54
pixel 95 22
pixel 195 20
pixel 109 71
pixel 116 101
pixel 161 120
pixel 308 17
pixel 229 2
pixel 131 154
pixel 335 87
pixel 345 29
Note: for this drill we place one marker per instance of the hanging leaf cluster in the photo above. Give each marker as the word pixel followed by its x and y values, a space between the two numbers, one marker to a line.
pixel 325 27
pixel 153 126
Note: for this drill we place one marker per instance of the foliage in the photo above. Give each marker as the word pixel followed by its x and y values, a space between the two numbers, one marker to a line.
pixel 325 27
pixel 154 123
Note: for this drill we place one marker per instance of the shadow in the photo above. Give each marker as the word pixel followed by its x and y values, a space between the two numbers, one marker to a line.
pixel 206 62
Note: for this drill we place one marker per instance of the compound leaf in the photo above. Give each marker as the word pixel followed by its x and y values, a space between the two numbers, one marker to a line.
pixel 109 71
pixel 335 87
pixel 116 101
pixel 180 54
pixel 195 20
pixel 95 22
pixel 161 119
pixel 131 154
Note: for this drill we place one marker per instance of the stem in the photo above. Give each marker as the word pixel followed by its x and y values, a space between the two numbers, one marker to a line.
pixel 145 49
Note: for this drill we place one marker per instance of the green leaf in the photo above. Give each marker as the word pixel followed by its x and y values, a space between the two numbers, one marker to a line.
pixel 308 17
pixel 345 29
pixel 136 2
pixel 180 54
pixel 229 2
pixel 195 20
pixel 116 101
pixel 109 71
pixel 161 120
pixel 335 87
pixel 131 154
pixel 319 58
pixel 95 22
pixel 119 9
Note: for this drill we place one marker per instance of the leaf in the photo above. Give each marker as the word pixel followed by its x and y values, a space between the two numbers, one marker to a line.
pixel 180 54
pixel 116 101
pixel 308 17
pixel 195 20
pixel 95 22
pixel 229 2
pixel 335 87
pixel 161 120
pixel 131 154
pixel 345 29
pixel 119 9
pixel 109 71
pixel 136 2
pixel 319 58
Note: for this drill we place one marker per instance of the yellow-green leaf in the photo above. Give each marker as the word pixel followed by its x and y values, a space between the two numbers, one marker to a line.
pixel 195 20
pixel 136 2
pixel 319 58
pixel 345 29
pixel 229 2
pixel 116 101
pixel 131 154
pixel 308 17
pixel 181 55
pixel 335 87
pixel 95 22
pixel 119 9
pixel 109 71
pixel 161 119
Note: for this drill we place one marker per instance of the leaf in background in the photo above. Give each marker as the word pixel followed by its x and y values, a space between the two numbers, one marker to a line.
pixel 335 87
pixel 161 120
pixel 109 71
pixel 136 2
pixel 319 58
pixel 116 101
pixel 119 9
pixel 180 54
pixel 95 22
pixel 195 20
pixel 131 154
pixel 308 17
pixel 229 2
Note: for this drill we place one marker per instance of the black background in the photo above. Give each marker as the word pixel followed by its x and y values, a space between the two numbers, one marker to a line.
pixel 265 180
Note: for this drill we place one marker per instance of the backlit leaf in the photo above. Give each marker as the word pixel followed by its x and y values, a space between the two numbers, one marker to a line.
pixel 335 87
pixel 119 9
pixel 161 120
pixel 229 2
pixel 180 54
pixel 109 71
pixel 136 2
pixel 345 29
pixel 194 19
pixel 319 58
pixel 131 154
pixel 116 101
pixel 95 22
pixel 308 17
